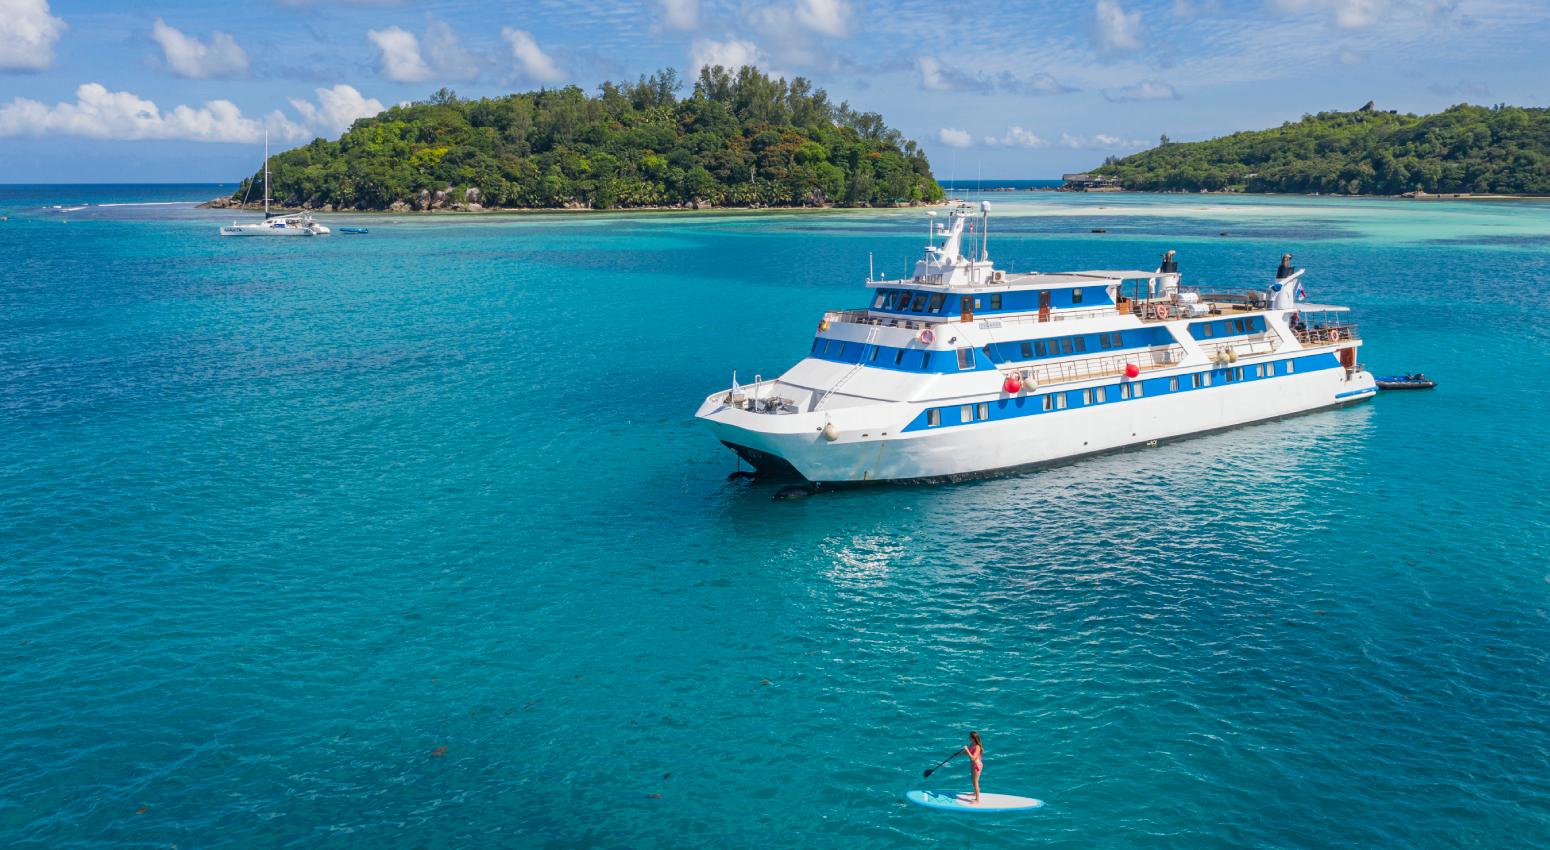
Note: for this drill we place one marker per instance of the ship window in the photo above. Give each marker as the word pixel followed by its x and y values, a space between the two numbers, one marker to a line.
pixel 919 304
pixel 878 302
pixel 1291 366
pixel 1026 349
pixel 1237 325
pixel 995 302
pixel 1135 390
pixel 990 355
pixel 1076 295
pixel 925 361
pixel 1173 385
pixel 1087 396
pixel 1039 347
pixel 873 358
pixel 1060 401
pixel 965 358
pixel 982 412
pixel 1081 343
pixel 1259 370
pixel 816 343
pixel 1065 345
pixel 1124 391
pixel 898 357
pixel 1206 329
pixel 976 303
pixel 937 299
pixel 933 417
pixel 1103 341
pixel 1117 339
pixel 966 413
pixel 1230 375
pixel 1099 395
pixel 1205 379
pixel 1194 380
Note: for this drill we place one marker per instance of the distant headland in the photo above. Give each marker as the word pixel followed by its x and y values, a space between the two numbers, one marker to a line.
pixel 741 139
pixel 1464 150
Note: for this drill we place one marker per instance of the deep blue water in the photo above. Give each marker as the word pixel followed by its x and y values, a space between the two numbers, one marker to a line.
pixel 281 520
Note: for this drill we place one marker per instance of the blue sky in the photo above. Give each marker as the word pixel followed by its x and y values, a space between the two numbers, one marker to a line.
pixel 182 91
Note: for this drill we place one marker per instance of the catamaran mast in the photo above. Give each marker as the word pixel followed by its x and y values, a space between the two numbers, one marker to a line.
pixel 266 175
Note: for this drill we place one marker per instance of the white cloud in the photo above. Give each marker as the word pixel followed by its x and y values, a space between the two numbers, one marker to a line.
pixel 1099 141
pixel 27 35
pixel 681 14
pixel 337 108
pixel 400 61
pixel 825 17
pixel 1144 90
pixel 438 54
pixel 97 113
pixel 731 54
pixel 190 57
pixel 1114 28
pixel 1347 14
pixel 933 75
pixel 534 63
pixel 1017 137
pixel 954 138
pixel 936 76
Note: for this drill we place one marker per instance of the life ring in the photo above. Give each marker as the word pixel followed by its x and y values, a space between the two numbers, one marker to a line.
pixel 926 336
pixel 1334 335
pixel 1161 311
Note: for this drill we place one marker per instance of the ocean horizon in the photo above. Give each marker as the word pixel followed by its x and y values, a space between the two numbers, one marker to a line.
pixel 409 539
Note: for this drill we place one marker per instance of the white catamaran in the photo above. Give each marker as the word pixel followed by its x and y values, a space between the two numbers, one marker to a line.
pixel 292 224
pixel 964 370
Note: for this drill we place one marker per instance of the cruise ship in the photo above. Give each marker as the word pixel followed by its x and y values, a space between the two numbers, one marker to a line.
pixel 964 370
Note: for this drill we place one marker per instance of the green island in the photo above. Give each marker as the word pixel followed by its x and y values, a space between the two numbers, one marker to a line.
pixel 1503 150
pixel 741 139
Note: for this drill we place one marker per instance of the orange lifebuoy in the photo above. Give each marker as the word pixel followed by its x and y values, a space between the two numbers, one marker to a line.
pixel 1161 310
pixel 1334 335
pixel 926 336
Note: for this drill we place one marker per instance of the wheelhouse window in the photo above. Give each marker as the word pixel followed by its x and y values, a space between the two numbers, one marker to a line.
pixel 1237 325
pixel 1103 341
pixel 995 302
pixel 1259 370
pixel 1039 347
pixel 933 417
pixel 1065 345
pixel 1117 340
pixel 1076 295
pixel 937 299
pixel 1026 350
pixel 877 302
pixel 919 304
pixel 965 358
pixel 1081 343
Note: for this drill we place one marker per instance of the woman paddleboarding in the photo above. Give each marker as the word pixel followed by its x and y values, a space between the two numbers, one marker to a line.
pixel 976 753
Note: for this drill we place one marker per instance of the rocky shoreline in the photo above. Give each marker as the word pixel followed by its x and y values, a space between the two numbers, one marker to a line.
pixel 443 201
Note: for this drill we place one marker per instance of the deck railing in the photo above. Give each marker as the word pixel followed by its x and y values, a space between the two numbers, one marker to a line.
pixel 1104 366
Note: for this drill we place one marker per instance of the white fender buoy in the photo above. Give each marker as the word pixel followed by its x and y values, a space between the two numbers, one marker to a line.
pixel 830 432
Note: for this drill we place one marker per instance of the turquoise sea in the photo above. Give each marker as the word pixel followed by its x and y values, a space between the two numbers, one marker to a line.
pixel 408 540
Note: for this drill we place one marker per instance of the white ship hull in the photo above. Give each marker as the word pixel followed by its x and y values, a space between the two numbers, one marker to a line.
pixel 263 230
pixel 860 453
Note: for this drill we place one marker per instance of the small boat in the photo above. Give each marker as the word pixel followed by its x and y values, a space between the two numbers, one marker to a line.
pixel 353 230
pixel 1417 381
pixel 276 224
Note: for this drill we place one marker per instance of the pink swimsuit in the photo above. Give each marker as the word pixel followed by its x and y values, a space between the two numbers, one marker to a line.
pixel 975 755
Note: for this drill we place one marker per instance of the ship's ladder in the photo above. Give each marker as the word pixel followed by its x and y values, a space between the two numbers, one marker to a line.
pixel 866 344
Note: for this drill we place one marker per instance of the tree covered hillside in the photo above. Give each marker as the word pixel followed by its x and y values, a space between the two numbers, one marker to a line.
pixel 741 139
pixel 1502 149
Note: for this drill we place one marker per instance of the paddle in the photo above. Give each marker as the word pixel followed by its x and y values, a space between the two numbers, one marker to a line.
pixel 928 773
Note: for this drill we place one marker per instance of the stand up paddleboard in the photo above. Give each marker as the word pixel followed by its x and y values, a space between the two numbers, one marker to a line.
pixel 961 801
